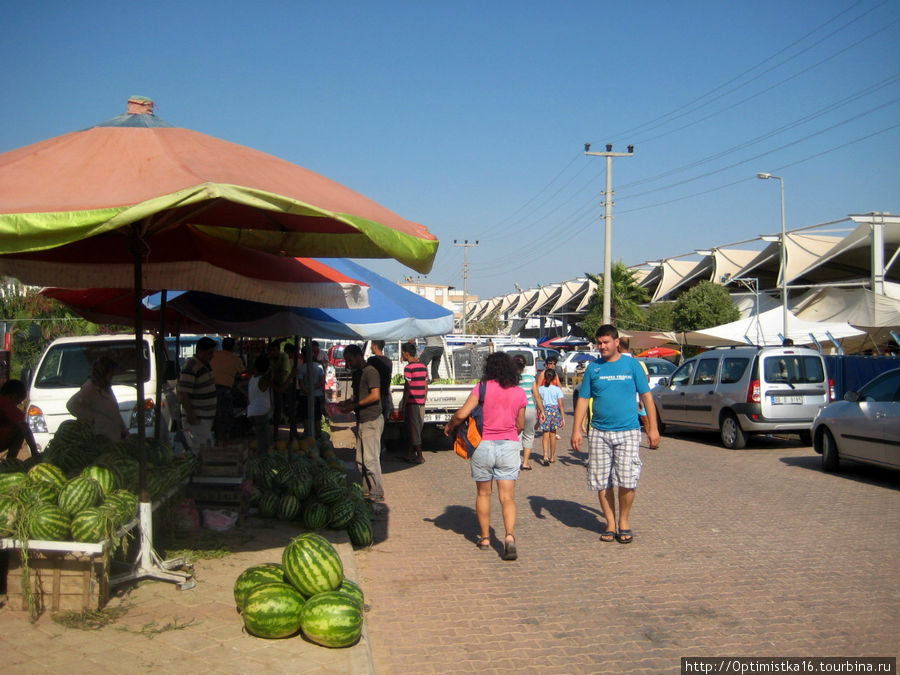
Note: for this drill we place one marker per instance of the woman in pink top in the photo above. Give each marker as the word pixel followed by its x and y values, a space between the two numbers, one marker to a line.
pixel 497 456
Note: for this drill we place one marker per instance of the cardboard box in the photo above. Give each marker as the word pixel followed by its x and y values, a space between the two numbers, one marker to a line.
pixel 60 580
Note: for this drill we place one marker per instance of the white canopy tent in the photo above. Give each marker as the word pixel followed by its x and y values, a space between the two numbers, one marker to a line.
pixel 765 330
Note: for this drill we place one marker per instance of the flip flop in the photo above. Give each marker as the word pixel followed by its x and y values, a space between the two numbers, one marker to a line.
pixel 608 536
pixel 509 550
pixel 484 543
pixel 625 536
pixel 543 462
pixel 522 467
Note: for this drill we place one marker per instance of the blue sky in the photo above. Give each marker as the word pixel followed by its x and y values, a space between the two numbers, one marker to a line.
pixel 471 117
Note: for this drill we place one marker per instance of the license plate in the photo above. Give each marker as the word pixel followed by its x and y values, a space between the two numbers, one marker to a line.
pixel 787 400
pixel 436 418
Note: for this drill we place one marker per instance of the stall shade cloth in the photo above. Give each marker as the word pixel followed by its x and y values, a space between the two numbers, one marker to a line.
pixel 140 175
pixel 394 313
pixel 765 329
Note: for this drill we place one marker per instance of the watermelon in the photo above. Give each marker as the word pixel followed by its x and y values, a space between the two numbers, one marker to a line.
pixel 43 491
pixel 126 503
pixel 315 515
pixel 354 590
pixel 10 481
pixel 332 619
pixel 288 507
pixel 273 610
pixel 90 525
pixel 79 494
pixel 9 514
pixel 105 476
pixel 330 494
pixel 250 578
pixel 48 522
pixel 49 473
pixel 312 564
pixel 301 486
pixel 360 532
pixel 268 505
pixel 341 514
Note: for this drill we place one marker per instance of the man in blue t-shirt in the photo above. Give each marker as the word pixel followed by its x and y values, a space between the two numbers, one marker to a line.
pixel 614 439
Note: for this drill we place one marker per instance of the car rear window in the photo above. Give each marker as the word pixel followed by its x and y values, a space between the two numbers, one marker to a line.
pixel 793 369
pixel 69 365
pixel 528 355
pixel 733 370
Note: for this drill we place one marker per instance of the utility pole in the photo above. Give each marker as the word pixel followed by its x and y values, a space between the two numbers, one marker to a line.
pixel 466 245
pixel 608 195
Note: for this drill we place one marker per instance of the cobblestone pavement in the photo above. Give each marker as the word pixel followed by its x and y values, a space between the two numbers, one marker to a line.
pixel 753 552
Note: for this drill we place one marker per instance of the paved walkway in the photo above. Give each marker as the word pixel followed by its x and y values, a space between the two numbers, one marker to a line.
pixel 753 552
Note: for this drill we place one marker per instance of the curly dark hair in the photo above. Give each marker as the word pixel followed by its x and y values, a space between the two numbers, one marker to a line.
pixel 501 368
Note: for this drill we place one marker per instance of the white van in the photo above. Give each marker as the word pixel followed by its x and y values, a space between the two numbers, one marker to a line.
pixel 66 365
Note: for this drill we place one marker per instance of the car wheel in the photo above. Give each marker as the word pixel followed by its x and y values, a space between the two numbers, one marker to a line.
pixel 733 436
pixel 806 437
pixel 830 457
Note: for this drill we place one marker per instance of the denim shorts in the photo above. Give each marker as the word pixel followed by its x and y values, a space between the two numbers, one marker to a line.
pixel 496 460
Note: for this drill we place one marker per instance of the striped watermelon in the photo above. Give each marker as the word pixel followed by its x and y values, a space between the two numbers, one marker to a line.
pixel 360 532
pixel 315 515
pixel 273 610
pixel 332 619
pixel 354 590
pixel 268 505
pixel 341 514
pixel 330 494
pixel 48 522
pixel 126 503
pixel 288 507
pixel 105 476
pixel 301 486
pixel 48 472
pixel 250 578
pixel 80 493
pixel 312 564
pixel 9 514
pixel 11 481
pixel 91 525
pixel 42 491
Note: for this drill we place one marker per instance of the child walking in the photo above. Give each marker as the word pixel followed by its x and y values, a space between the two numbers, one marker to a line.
pixel 554 414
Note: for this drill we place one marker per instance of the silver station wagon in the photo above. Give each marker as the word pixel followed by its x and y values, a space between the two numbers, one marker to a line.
pixel 745 390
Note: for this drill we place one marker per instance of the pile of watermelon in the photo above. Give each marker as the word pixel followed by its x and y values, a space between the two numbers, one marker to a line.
pixel 311 490
pixel 70 500
pixel 306 592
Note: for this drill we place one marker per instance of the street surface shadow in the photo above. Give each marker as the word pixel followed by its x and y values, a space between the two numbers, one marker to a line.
pixel 861 473
pixel 754 442
pixel 458 519
pixel 571 514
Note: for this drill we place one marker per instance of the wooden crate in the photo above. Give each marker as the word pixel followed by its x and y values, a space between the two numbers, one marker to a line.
pixel 229 460
pixel 60 581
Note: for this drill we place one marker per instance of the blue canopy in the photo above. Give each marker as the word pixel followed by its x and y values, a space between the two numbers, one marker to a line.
pixel 394 313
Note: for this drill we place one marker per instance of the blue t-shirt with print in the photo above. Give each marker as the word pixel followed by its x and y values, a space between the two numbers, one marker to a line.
pixel 613 386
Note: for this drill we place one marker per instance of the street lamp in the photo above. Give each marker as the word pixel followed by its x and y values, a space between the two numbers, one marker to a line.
pixel 784 304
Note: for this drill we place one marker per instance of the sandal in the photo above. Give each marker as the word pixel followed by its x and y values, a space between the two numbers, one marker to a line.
pixel 509 550
pixel 625 536
pixel 608 536
pixel 484 543
pixel 522 467
pixel 543 461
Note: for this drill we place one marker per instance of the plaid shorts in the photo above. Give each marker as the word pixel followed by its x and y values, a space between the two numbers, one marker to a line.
pixel 614 458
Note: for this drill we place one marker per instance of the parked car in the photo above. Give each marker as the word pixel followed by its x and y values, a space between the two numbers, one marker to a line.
pixel 657 369
pixel 864 427
pixel 542 354
pixel 745 390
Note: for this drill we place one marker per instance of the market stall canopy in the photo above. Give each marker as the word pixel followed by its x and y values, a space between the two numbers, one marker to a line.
pixel 138 173
pixel 765 330
pixel 394 313
pixel 197 261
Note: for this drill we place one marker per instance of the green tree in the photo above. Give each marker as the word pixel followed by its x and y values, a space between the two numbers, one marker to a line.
pixel 660 316
pixel 34 320
pixel 626 300
pixel 703 306
pixel 489 325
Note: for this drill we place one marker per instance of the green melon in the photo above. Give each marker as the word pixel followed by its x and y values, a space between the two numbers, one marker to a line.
pixel 80 493
pixel 330 494
pixel 341 515
pixel 9 514
pixel 288 507
pixel 273 610
pixel 105 476
pixel 48 522
pixel 315 515
pixel 332 619
pixel 312 564
pixel 354 590
pixel 11 481
pixel 91 525
pixel 360 532
pixel 250 578
pixel 48 472
pixel 268 505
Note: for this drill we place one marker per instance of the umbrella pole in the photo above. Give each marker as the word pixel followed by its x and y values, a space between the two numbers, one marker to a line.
pixel 310 393
pixel 160 366
pixel 148 564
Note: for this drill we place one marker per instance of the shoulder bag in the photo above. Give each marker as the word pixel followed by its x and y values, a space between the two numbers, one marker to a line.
pixel 468 434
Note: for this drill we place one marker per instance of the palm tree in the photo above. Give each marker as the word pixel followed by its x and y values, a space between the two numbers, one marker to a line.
pixel 626 300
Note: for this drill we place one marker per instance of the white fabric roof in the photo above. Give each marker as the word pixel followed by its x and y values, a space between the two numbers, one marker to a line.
pixel 677 272
pixel 569 291
pixel 765 330
pixel 857 306
pixel 546 296
pixel 524 300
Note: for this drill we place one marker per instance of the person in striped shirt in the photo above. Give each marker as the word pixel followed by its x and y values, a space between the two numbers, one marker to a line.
pixel 415 390
pixel 197 394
